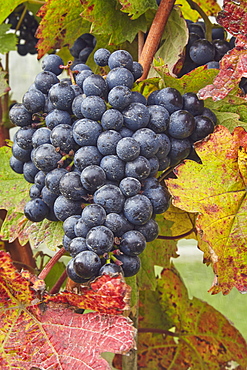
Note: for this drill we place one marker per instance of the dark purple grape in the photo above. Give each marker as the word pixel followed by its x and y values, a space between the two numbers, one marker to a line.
pixel 87 264
pixel 36 210
pixel 132 243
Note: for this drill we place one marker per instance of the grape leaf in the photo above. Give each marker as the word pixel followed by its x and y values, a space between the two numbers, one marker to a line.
pixel 135 8
pixel 199 336
pixel 33 332
pixel 233 17
pixel 7 7
pixel 174 39
pixel 8 41
pixel 233 66
pixel 3 83
pixel 216 189
pixel 183 222
pixel 210 7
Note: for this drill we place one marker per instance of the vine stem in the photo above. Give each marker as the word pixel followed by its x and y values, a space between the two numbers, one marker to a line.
pixel 51 263
pixel 56 287
pixel 204 16
pixel 154 35
pixel 177 236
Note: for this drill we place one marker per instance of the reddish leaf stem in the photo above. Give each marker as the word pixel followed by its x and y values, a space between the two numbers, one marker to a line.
pixel 56 287
pixel 159 331
pixel 51 263
pixel 193 230
pixel 154 35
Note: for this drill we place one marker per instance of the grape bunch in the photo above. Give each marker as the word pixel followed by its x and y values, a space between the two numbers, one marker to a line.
pixel 199 51
pixel 92 149
pixel 25 24
pixel 82 48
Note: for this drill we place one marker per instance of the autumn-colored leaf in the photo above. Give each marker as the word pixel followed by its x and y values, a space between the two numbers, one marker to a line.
pixel 216 190
pixel 210 7
pixel 199 336
pixel 135 8
pixel 35 333
pixel 233 16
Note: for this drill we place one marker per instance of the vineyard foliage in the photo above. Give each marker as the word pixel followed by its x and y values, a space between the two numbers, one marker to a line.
pixel 208 205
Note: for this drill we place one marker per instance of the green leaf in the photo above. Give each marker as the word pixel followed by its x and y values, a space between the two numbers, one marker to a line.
pixel 7 7
pixel 199 337
pixel 14 190
pixel 3 83
pixel 8 41
pixel 210 7
pixel 216 190
pixel 135 8
pixel 175 38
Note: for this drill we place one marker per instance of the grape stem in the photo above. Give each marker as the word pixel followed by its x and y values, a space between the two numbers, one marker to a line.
pixel 204 16
pixel 51 263
pixel 56 287
pixel 154 35
pixel 193 230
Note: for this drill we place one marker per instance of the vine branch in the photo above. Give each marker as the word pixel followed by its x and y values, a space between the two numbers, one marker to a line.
pixel 154 36
pixel 51 263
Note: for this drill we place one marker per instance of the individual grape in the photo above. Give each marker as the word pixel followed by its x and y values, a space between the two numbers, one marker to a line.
pixel 23 155
pixel 34 101
pixel 81 229
pixel 29 171
pixel 180 149
pixel 119 97
pixel 151 100
pixel 23 137
pixel 204 127
pixel 66 242
pixel 164 163
pixel 76 106
pixel 77 91
pixel 86 132
pixel 149 143
pixel 39 179
pixel 100 239
pixel 46 158
pixel 128 149
pixel 52 179
pixel 112 119
pixel 77 245
pixel 69 224
pixel 139 168
pixel 169 98
pixel 87 264
pixel 137 70
pixel 192 104
pixel 218 33
pixel 197 29
pixel 120 58
pixel 48 197
pixel 159 118
pixel 41 136
pixel 130 186
pixel 154 164
pixel 130 264
pixel 107 142
pixel 93 107
pixel 132 243
pixel 120 77
pixel 221 48
pixel 138 209
pixel 56 117
pixel 19 115
pixel 181 124
pixel 95 85
pixel 192 38
pixel 213 65
pixel 101 57
pixel 136 116
pixel 126 132
pixel 114 167
pixel 61 96
pixel 202 51
pixel 93 215
pixel 70 186
pixel 137 97
pixel 36 210
pixel 44 81
pixel 159 197
pixel 16 165
pixel 84 53
pixel 208 113
pixel 81 76
pixel 52 63
pixel 117 223
pixel 110 269
pixel 150 230
pixel 79 67
pixel 86 156
pixel 34 192
pixel 78 45
pixel 93 177
pixel 64 207
pixel 110 197
pixel 73 275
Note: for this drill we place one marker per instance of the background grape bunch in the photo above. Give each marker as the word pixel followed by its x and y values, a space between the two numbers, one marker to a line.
pixel 92 148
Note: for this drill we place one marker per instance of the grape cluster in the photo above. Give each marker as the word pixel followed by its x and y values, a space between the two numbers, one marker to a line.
pixel 82 48
pixel 199 51
pixel 25 24
pixel 92 150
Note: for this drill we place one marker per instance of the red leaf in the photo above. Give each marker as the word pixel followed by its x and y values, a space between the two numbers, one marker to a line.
pixel 34 333
pixel 233 17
